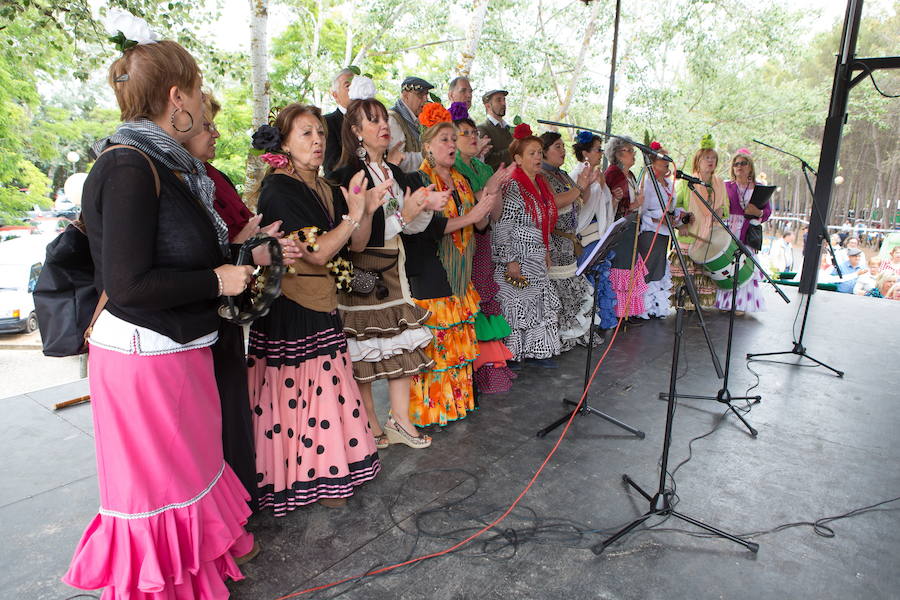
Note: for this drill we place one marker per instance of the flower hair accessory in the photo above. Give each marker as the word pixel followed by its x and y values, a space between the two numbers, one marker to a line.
pixel 459 111
pixel 655 146
pixel 743 151
pixel 361 88
pixel 522 130
pixel 127 30
pixel 267 137
pixel 707 143
pixel 584 137
pixel 434 113
pixel 277 161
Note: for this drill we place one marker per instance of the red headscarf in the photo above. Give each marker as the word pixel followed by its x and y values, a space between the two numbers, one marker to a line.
pixel 539 202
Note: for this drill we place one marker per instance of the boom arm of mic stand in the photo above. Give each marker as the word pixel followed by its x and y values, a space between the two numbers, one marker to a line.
pixel 688 281
pixel 807 169
pixel 739 243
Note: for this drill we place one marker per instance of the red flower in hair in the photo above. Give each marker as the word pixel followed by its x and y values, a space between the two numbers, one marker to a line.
pixel 655 146
pixel 522 130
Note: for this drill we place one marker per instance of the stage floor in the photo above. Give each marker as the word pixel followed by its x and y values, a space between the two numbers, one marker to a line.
pixel 825 446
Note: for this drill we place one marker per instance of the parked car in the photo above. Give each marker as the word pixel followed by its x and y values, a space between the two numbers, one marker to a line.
pixel 21 261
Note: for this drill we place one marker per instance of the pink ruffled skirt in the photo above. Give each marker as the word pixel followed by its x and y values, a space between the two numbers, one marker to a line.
pixel 172 513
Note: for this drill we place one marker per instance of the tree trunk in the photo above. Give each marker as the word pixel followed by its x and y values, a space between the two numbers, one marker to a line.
pixel 317 32
pixel 260 86
pixel 473 36
pixel 579 63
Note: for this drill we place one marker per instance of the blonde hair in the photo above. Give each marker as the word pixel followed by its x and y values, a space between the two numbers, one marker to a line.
pixel 749 161
pixel 144 74
pixel 698 156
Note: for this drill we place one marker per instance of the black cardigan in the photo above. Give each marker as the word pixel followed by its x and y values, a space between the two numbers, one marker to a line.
pixel 154 256
pixel 426 275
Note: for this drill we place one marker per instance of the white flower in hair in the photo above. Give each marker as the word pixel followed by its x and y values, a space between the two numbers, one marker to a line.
pixel 361 88
pixel 132 27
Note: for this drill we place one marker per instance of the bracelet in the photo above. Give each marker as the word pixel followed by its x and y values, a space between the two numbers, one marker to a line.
pixel 221 285
pixel 350 220
pixel 400 220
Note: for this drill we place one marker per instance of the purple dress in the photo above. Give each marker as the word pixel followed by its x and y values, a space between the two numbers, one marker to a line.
pixel 749 294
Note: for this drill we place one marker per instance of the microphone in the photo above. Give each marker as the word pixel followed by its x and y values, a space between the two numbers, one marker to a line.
pixel 690 178
pixel 648 150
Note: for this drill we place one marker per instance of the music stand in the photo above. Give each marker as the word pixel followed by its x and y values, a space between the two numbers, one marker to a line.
pixel 724 395
pixel 592 264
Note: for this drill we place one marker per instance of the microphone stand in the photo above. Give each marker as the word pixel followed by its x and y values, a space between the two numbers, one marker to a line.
pixel 799 349
pixel 661 504
pixel 724 395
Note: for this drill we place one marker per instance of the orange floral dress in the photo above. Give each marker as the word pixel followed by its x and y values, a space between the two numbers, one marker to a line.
pixel 443 285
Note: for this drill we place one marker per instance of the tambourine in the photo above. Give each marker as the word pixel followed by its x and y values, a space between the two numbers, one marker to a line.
pixel 265 287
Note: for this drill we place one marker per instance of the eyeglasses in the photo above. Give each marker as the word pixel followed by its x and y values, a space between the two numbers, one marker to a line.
pixel 467 133
pixel 741 163
pixel 628 150
pixel 211 128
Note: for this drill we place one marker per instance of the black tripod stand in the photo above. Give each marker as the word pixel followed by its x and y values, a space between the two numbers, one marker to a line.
pixel 724 395
pixel 799 349
pixel 585 408
pixel 661 501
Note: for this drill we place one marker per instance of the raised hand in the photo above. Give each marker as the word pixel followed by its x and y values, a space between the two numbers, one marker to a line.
pixel 395 154
pixel 499 179
pixel 355 196
pixel 378 196
pixel 249 230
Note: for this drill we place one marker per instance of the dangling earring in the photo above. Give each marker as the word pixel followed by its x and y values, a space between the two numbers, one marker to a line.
pixel 430 159
pixel 290 165
pixel 175 127
pixel 361 153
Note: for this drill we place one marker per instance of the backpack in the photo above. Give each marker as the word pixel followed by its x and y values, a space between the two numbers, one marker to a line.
pixel 65 299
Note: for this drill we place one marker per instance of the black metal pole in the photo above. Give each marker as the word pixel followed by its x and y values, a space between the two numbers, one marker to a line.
pixel 831 145
pixel 612 67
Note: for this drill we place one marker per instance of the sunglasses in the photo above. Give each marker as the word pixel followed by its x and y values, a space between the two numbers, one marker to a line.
pixel 741 163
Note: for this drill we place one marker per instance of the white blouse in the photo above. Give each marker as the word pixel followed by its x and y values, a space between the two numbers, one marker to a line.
pixel 391 221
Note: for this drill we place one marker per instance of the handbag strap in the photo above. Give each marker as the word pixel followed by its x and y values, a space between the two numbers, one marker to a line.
pixel 80 225
pixel 101 303
pixel 378 254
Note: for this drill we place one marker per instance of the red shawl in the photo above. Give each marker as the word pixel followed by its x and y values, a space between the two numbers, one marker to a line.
pixel 539 205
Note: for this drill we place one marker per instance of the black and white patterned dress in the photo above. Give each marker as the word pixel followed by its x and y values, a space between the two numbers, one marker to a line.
pixel 574 291
pixel 531 311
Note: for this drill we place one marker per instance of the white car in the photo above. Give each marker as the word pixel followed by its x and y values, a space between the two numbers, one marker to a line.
pixel 21 260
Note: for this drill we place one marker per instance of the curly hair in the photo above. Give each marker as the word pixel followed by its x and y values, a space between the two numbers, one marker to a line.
pixel 613 146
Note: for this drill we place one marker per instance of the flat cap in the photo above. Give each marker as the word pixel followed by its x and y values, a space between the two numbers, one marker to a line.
pixel 854 252
pixel 487 95
pixel 415 84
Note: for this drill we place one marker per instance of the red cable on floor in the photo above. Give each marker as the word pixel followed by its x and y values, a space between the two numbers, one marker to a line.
pixel 530 483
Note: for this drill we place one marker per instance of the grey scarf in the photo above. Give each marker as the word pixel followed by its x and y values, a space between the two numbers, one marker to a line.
pixel 147 136
pixel 404 112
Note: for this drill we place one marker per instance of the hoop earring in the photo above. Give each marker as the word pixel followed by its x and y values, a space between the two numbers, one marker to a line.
pixel 430 159
pixel 361 153
pixel 175 127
